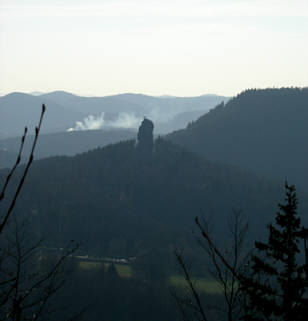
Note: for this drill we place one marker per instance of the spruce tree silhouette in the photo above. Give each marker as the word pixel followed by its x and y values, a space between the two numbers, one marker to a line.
pixel 273 286
pixel 277 286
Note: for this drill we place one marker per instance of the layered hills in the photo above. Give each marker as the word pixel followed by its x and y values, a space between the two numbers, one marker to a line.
pixel 260 130
pixel 18 110
pixel 62 143
pixel 117 203
pixel 67 111
pixel 75 124
pixel 136 103
pixel 168 113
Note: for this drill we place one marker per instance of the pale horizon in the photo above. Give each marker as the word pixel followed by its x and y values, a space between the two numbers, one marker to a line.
pixel 170 47
pixel 37 93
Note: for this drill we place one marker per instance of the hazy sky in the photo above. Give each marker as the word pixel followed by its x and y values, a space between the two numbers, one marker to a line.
pixel 175 47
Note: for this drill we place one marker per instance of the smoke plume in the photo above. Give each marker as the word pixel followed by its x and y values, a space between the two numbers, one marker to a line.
pixel 123 120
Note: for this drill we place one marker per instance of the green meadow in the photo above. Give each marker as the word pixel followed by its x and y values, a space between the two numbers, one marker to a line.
pixel 124 271
pixel 206 285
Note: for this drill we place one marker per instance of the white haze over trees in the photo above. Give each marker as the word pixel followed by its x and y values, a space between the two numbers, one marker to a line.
pixel 69 112
pixel 123 120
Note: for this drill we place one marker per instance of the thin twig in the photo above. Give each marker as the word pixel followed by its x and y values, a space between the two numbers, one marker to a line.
pixel 22 180
pixel 191 286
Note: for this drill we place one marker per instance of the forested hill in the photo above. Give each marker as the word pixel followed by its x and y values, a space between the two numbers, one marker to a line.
pixel 63 143
pixel 261 130
pixel 116 202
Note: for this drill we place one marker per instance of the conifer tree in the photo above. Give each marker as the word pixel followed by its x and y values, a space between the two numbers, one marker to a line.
pixel 276 286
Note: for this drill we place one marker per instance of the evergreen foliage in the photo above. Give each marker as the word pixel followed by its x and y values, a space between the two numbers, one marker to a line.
pixel 260 130
pixel 115 204
pixel 277 284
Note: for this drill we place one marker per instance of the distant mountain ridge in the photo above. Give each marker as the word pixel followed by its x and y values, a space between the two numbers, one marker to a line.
pixel 160 110
pixel 18 110
pixel 77 102
pixel 92 105
pixel 261 130
pixel 64 110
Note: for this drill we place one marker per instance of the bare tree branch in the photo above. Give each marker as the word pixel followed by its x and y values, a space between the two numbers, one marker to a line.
pixel 22 180
pixel 191 286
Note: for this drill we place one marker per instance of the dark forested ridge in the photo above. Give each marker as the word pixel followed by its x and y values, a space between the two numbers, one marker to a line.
pixel 133 203
pixel 63 143
pixel 261 130
pixel 117 203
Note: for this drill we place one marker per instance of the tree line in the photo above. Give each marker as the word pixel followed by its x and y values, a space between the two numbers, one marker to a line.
pixel 268 283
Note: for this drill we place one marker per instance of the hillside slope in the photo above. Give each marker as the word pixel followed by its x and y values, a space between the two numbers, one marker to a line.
pixel 115 202
pixel 168 113
pixel 261 130
pixel 63 143
pixel 18 110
